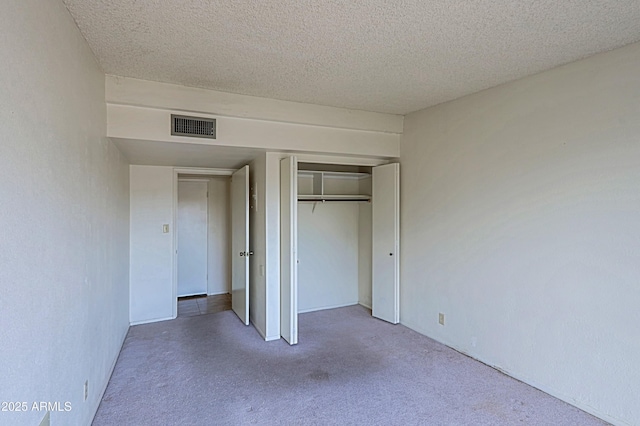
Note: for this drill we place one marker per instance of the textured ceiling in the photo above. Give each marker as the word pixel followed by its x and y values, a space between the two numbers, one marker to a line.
pixel 376 55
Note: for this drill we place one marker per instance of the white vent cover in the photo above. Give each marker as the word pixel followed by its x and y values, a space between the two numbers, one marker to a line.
pixel 196 127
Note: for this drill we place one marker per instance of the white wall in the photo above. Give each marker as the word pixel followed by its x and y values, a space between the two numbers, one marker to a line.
pixel 136 92
pixel 151 124
pixel 520 222
pixel 151 203
pixel 140 110
pixel 219 246
pixel 328 247
pixel 63 219
pixel 328 255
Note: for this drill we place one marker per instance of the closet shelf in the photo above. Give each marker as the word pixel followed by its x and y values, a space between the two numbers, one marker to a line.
pixel 322 198
pixel 312 173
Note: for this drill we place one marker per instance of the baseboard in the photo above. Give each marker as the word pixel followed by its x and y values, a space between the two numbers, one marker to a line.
pixel 322 308
pixel 541 387
pixel 113 367
pixel 152 320
pixel 367 306
pixel 559 395
pixel 218 294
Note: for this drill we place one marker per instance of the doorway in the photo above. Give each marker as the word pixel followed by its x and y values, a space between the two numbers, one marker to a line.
pixel 193 241
pixel 203 224
pixel 227 239
pixel 202 305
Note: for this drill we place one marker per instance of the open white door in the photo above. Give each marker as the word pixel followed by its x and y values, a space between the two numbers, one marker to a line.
pixel 240 243
pixel 289 249
pixel 386 243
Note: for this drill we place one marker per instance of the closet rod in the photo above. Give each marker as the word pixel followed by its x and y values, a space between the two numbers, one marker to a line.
pixel 321 200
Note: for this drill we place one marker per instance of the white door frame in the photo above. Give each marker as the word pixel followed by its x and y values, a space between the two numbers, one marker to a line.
pixel 174 221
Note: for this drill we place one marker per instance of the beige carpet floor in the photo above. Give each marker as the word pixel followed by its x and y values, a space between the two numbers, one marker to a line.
pixel 348 369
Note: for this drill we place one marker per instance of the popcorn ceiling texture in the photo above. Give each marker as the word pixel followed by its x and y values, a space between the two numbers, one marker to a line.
pixel 374 55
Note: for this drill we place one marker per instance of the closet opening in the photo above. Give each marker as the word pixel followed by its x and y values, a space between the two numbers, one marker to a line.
pixel 334 236
pixel 339 240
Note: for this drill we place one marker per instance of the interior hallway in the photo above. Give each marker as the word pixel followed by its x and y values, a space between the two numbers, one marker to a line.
pixel 201 305
pixel 349 368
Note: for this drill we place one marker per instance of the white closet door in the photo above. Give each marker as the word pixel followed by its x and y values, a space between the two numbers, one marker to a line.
pixel 386 243
pixel 240 243
pixel 289 249
pixel 192 238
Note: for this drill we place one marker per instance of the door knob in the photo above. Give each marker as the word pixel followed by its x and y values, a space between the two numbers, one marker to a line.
pixel 250 253
pixel 241 253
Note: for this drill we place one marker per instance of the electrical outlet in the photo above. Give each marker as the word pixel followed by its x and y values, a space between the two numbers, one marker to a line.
pixel 441 318
pixel 86 389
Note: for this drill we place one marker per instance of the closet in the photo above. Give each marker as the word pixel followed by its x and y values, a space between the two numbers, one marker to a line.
pixel 334 238
pixel 340 240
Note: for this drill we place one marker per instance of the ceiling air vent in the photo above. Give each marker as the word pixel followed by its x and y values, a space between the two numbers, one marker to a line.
pixel 195 127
